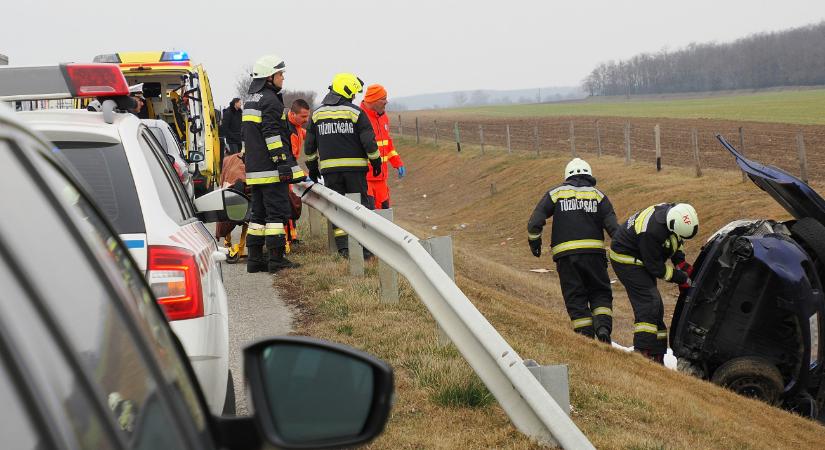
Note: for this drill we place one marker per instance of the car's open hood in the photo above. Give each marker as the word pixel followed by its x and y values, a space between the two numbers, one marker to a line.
pixel 792 193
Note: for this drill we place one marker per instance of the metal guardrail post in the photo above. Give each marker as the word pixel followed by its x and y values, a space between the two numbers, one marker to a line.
pixel 528 405
pixel 387 276
pixel 315 222
pixel 333 248
pixel 441 249
pixel 356 251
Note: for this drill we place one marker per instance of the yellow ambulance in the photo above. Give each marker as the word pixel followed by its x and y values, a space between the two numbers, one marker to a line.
pixel 177 92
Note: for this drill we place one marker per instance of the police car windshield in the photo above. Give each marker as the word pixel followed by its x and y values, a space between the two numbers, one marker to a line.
pixel 105 171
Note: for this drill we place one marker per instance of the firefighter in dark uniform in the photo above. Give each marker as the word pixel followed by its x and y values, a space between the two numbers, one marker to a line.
pixel 340 145
pixel 270 166
pixel 639 255
pixel 581 213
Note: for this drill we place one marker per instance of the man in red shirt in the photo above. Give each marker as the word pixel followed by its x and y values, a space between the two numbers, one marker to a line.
pixel 375 104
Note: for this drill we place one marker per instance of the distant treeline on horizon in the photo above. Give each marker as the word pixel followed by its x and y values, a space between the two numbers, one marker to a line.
pixel 794 57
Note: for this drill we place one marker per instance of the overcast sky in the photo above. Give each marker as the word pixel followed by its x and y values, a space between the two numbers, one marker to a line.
pixel 412 47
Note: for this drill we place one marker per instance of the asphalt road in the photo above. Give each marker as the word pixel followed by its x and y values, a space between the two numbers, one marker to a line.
pixel 255 311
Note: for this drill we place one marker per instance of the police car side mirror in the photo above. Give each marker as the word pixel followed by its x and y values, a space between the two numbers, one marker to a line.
pixel 196 157
pixel 310 393
pixel 223 205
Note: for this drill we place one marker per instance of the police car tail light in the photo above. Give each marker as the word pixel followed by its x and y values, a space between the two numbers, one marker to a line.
pixel 174 277
pixel 96 80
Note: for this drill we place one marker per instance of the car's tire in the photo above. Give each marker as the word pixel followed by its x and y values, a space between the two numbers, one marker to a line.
pixel 811 233
pixel 229 403
pixel 751 376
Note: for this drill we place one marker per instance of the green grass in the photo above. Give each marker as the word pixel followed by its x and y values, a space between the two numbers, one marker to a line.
pixel 798 107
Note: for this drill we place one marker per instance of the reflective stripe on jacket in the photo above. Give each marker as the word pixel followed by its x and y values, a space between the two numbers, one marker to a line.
pixel 581 213
pixel 381 127
pixel 646 241
pixel 340 138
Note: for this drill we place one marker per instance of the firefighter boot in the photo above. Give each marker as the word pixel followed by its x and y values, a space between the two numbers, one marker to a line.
pixel 655 357
pixel 603 334
pixel 277 261
pixel 256 262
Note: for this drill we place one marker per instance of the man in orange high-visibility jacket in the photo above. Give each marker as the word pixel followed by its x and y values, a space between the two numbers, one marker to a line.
pixel 375 104
pixel 297 117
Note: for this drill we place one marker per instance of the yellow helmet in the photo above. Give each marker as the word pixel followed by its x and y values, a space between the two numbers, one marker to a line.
pixel 346 85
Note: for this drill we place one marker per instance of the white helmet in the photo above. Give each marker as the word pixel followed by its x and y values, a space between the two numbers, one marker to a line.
pixel 577 166
pixel 683 220
pixel 263 68
pixel 268 65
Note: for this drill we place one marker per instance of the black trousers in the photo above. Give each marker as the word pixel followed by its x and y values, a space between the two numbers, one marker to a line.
pixel 585 287
pixel 649 329
pixel 270 211
pixel 347 183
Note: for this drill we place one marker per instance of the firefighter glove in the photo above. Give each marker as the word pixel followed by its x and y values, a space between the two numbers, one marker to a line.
pixel 679 277
pixel 376 167
pixel 402 171
pixel 685 267
pixel 535 247
pixel 314 174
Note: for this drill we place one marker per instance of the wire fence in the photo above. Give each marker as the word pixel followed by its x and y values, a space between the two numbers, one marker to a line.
pixel 799 150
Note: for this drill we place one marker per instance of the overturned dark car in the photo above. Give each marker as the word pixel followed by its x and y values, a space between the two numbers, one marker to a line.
pixel 751 321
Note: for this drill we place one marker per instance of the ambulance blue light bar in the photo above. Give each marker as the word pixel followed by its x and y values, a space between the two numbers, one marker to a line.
pixel 174 56
pixel 63 81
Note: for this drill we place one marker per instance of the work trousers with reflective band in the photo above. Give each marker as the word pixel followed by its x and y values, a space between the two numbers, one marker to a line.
pixel 649 329
pixel 347 183
pixel 379 193
pixel 270 211
pixel 585 287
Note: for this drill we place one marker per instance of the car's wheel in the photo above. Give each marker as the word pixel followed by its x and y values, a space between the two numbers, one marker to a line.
pixel 229 402
pixel 751 376
pixel 811 235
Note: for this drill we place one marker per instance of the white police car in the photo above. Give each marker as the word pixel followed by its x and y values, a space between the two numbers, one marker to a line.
pixel 127 173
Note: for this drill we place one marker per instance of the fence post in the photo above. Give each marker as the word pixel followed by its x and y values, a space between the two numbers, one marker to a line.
pixel 598 140
pixel 657 135
pixel 803 159
pixel 435 126
pixel 387 276
pixel 742 150
pixel 457 138
pixel 627 144
pixel 400 127
pixel 509 149
pixel 536 135
pixel 481 136
pixel 694 134
pixel 356 251
pixel 417 138
pixel 315 228
pixel 572 139
pixel 492 189
pixel 441 249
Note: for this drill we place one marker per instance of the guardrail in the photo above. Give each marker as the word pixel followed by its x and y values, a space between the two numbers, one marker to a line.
pixel 530 407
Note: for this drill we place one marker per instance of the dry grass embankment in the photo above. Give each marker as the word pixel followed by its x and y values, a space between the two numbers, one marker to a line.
pixel 619 400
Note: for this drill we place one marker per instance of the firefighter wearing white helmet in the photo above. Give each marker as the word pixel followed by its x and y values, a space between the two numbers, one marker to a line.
pixel 639 255
pixel 270 166
pixel 340 145
pixel 581 214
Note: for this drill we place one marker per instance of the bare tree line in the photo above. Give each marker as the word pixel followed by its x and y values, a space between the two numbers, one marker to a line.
pixel 243 81
pixel 794 57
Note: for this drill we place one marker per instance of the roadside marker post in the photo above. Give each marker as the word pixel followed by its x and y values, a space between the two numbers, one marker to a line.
pixel 627 144
pixel 803 158
pixel 695 140
pixel 457 138
pixel 657 137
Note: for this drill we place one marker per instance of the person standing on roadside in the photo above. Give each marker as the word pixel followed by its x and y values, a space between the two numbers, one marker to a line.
pixel 270 166
pixel 231 125
pixel 581 214
pixel 340 145
pixel 297 117
pixel 375 105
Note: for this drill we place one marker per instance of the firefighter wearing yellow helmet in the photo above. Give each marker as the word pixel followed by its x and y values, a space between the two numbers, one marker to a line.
pixel 270 166
pixel 340 145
